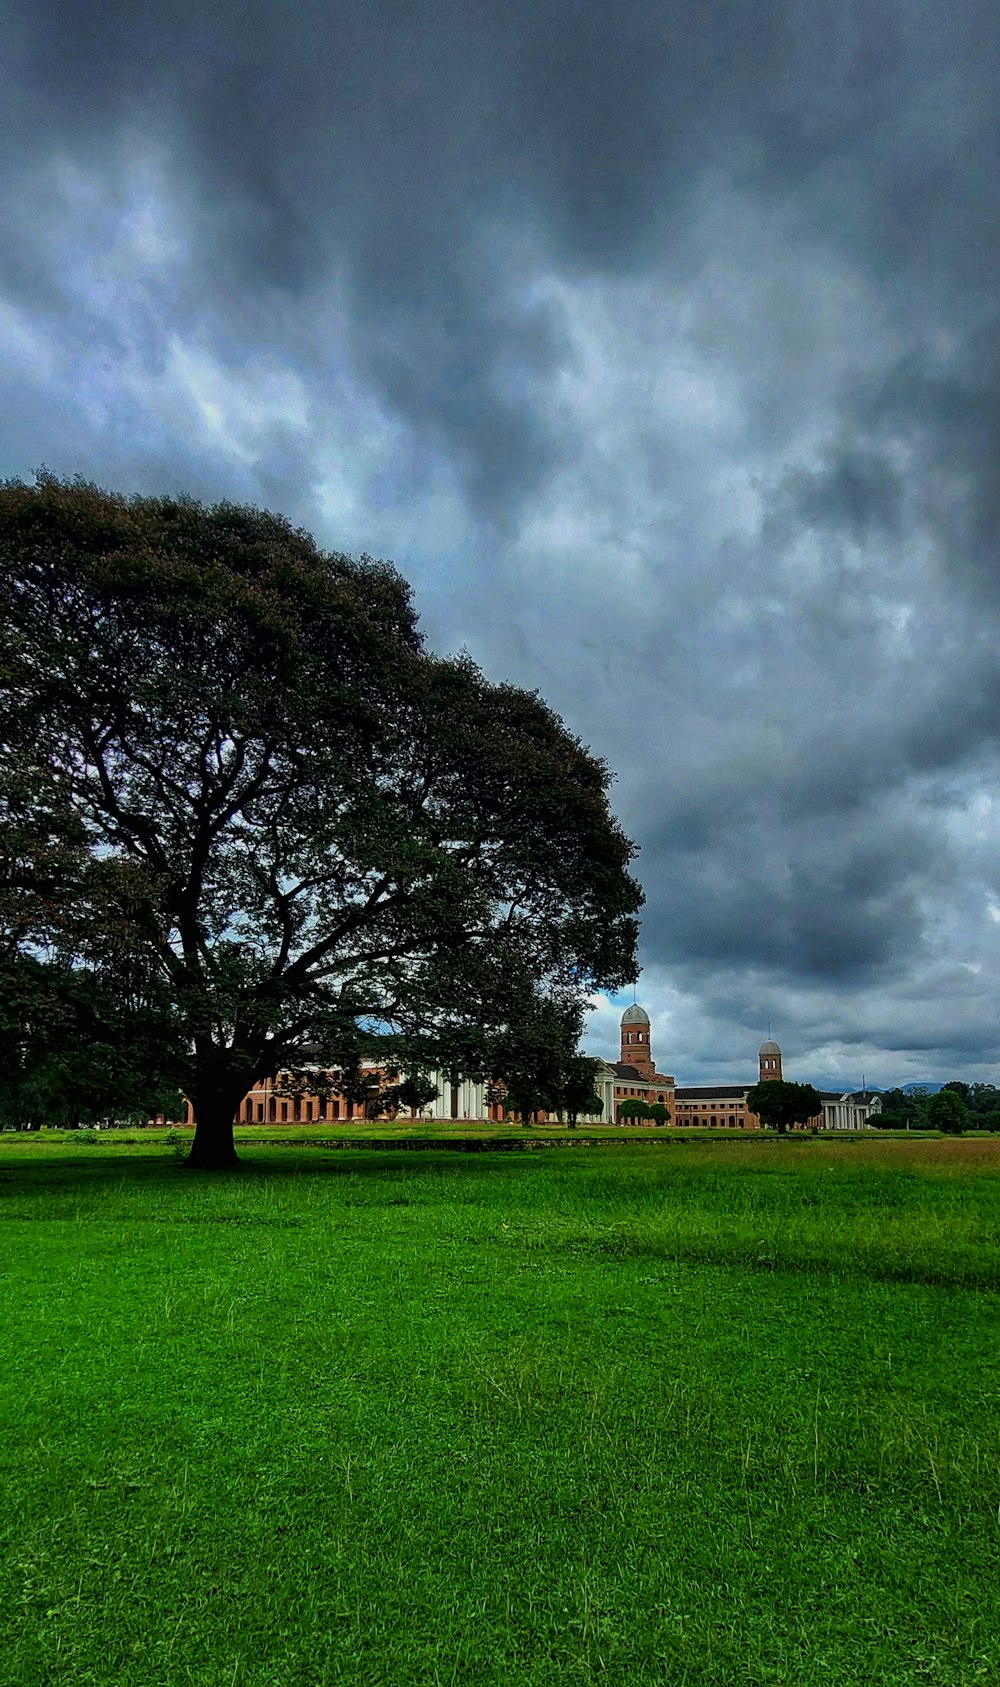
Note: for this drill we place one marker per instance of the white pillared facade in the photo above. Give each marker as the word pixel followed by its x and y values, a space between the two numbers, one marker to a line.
pixel 851 1111
pixel 469 1100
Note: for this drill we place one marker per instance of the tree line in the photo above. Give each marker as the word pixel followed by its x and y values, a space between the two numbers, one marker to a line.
pixel 957 1106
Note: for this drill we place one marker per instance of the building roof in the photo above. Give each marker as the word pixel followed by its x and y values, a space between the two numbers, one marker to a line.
pixel 635 1015
pixel 768 1048
pixel 862 1098
pixel 713 1092
pixel 631 1074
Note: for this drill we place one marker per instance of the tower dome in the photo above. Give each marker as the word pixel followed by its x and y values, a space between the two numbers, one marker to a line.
pixel 769 1060
pixel 636 1051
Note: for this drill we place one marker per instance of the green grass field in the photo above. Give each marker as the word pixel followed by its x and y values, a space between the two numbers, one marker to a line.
pixel 710 1413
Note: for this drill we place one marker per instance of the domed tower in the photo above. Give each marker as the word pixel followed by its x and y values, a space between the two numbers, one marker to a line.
pixel 635 1041
pixel 770 1061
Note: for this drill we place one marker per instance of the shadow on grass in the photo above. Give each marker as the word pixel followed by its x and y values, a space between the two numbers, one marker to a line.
pixel 763 1256
pixel 67 1170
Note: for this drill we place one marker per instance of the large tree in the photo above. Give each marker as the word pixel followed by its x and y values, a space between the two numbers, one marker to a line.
pixel 947 1112
pixel 328 830
pixel 778 1103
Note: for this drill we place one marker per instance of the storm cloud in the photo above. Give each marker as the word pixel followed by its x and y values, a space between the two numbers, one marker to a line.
pixel 660 348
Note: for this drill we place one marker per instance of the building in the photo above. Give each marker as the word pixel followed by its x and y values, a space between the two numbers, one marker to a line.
pixel 715 1106
pixel 272 1101
pixel 635 1071
pixel 721 1106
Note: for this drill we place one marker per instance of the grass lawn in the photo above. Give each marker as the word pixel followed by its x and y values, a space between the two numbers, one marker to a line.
pixel 714 1413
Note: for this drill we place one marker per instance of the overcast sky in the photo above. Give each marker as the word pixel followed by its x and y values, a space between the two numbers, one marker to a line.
pixel 658 344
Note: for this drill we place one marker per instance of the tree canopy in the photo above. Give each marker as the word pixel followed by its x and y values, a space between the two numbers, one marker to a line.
pixel 779 1103
pixel 947 1111
pixel 311 831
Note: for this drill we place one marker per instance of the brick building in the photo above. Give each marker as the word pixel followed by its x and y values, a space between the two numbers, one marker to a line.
pixel 717 1106
pixel 720 1106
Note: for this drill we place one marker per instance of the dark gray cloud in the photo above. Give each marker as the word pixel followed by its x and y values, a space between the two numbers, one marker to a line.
pixel 661 347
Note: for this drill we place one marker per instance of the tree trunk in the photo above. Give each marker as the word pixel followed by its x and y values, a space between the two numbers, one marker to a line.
pixel 214 1105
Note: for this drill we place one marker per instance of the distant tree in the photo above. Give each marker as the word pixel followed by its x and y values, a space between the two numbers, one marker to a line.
pixel 778 1103
pixel 328 828
pixel 899 1104
pixel 633 1107
pixel 576 1092
pixel 592 1107
pixel 659 1112
pixel 416 1091
pixel 959 1087
pixel 989 1121
pixel 884 1121
pixel 947 1112
pixel 534 1057
pixel 983 1098
pixel 358 1088
pixel 893 1101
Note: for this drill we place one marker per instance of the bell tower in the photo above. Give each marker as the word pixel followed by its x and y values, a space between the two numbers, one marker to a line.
pixel 635 1041
pixel 770 1061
